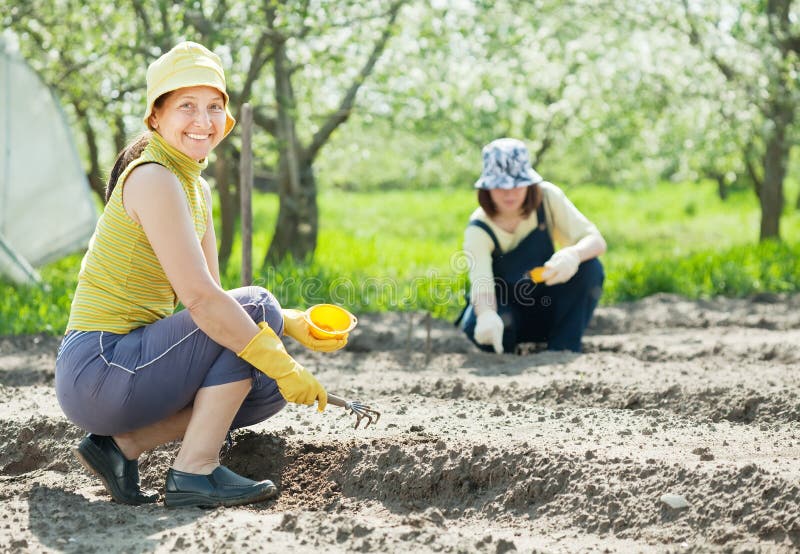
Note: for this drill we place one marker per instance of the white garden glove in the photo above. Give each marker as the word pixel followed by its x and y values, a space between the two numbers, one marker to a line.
pixel 489 330
pixel 561 266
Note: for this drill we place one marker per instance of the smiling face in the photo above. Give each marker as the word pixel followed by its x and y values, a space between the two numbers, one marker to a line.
pixel 192 120
pixel 509 201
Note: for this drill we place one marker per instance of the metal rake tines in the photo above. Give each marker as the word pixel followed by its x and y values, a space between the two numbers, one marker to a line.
pixel 361 411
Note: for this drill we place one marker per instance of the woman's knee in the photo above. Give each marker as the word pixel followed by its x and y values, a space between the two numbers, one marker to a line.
pixel 261 305
pixel 586 283
pixel 593 271
pixel 590 276
pixel 263 402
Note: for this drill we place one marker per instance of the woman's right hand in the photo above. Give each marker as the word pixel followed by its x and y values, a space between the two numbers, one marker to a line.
pixel 489 330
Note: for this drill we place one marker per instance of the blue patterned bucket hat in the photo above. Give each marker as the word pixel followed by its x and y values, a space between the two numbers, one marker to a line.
pixel 506 165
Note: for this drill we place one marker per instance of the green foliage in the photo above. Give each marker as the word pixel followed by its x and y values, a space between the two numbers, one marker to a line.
pixel 736 271
pixel 387 251
pixel 398 250
pixel 32 309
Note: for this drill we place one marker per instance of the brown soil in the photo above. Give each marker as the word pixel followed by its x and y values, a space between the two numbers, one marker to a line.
pixel 542 452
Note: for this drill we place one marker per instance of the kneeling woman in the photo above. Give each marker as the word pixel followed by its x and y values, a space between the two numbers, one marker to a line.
pixel 512 233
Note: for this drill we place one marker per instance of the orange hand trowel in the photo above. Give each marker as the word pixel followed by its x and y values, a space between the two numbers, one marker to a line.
pixel 536 274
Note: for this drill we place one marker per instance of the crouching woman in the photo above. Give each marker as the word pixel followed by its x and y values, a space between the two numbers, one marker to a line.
pixel 512 233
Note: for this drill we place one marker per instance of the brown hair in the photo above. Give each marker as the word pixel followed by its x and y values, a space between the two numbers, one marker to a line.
pixel 132 151
pixel 533 197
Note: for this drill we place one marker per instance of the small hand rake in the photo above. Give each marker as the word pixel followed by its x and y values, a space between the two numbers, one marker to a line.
pixel 361 411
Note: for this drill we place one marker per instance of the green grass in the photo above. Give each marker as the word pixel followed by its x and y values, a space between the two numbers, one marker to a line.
pixel 398 250
pixel 43 308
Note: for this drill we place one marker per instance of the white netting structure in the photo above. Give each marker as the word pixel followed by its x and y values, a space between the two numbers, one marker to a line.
pixel 46 208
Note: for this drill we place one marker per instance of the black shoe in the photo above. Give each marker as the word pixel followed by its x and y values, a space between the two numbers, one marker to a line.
pixel 221 488
pixel 101 456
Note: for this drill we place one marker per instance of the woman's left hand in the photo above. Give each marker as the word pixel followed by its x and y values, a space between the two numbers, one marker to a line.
pixel 296 326
pixel 561 266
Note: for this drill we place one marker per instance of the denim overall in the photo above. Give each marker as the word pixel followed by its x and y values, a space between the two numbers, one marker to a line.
pixel 531 312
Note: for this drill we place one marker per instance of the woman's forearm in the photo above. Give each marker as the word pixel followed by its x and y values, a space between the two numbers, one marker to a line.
pixel 223 319
pixel 483 301
pixel 590 246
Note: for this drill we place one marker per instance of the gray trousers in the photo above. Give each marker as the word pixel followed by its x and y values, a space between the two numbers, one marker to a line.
pixel 110 384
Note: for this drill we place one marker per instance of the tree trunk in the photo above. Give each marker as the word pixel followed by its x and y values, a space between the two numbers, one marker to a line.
pixel 722 186
pixel 776 159
pixel 780 112
pixel 296 228
pixel 227 205
pixel 120 138
pixel 750 165
pixel 297 225
pixel 94 175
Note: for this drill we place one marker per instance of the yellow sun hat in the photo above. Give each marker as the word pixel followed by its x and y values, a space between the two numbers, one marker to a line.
pixel 188 64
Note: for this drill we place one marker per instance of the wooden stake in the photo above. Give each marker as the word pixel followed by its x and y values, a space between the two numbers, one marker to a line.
pixel 409 330
pixel 246 192
pixel 427 338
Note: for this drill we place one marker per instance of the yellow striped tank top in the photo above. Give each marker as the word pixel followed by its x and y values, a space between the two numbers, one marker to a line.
pixel 121 284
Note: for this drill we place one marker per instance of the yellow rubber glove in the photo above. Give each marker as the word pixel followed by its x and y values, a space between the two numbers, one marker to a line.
pixel 266 353
pixel 296 326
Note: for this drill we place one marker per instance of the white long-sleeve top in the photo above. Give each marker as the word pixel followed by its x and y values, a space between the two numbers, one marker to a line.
pixel 565 223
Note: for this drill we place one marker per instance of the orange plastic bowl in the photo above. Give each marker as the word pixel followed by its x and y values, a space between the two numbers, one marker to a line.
pixel 328 321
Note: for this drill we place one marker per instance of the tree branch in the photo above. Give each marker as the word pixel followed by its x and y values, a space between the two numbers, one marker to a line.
pixel 257 63
pixel 20 14
pixel 220 11
pixel 752 172
pixel 549 135
pixel 353 22
pixel 165 27
pixel 696 40
pixel 163 39
pixel 786 41
pixel 69 68
pixel 260 118
pixel 305 29
pixel 141 13
pixel 793 44
pixel 94 175
pixel 346 105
